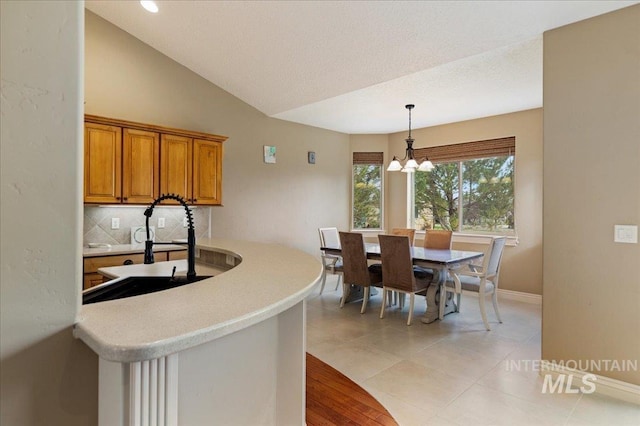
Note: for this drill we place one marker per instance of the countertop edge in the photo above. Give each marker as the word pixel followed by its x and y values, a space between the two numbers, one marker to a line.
pixel 126 354
pixel 91 328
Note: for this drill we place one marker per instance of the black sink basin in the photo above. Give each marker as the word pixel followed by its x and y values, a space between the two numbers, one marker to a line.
pixel 136 286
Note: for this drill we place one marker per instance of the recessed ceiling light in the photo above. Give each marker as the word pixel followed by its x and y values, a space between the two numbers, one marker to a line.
pixel 150 5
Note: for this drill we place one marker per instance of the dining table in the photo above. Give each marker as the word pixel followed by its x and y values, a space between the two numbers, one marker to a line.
pixel 442 262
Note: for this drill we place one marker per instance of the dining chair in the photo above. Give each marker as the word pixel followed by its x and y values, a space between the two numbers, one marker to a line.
pixel 437 239
pixel 479 279
pixel 330 263
pixel 355 268
pixel 398 272
pixel 409 232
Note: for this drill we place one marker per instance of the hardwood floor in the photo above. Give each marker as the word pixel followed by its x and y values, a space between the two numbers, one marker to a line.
pixel 334 399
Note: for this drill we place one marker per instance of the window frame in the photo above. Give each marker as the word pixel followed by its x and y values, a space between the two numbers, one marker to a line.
pixel 472 235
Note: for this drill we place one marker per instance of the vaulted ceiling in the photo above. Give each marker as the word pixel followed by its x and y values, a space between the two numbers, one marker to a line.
pixel 351 66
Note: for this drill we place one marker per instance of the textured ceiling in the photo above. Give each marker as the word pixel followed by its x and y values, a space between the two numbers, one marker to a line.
pixel 351 66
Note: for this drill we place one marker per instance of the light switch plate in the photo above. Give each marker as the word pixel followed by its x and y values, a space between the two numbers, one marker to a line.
pixel 161 222
pixel 115 223
pixel 626 234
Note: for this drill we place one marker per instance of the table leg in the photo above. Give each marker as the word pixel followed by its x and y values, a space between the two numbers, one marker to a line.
pixel 432 312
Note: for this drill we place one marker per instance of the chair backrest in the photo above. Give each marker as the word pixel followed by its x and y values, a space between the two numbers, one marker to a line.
pixel 491 263
pixel 397 265
pixel 411 233
pixel 329 237
pixel 437 239
pixel 354 259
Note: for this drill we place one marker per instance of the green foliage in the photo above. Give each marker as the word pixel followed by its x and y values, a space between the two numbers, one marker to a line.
pixel 487 196
pixel 436 198
pixel 367 196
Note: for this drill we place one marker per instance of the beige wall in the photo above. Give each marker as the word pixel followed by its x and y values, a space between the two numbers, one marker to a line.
pixel 591 305
pixel 47 377
pixel 284 202
pixel 522 265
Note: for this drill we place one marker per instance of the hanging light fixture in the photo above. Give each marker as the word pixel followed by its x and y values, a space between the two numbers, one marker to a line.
pixel 411 165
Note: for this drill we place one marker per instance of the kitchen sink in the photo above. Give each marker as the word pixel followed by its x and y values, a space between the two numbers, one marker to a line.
pixel 135 286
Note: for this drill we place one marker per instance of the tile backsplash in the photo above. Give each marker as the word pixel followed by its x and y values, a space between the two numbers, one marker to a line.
pixel 97 223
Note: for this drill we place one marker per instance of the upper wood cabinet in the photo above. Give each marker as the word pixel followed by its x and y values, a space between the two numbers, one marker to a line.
pixel 191 168
pixel 102 163
pixel 207 172
pixel 176 161
pixel 140 166
pixel 134 163
pixel 120 165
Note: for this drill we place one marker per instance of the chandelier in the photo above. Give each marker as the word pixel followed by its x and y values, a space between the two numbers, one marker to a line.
pixel 411 164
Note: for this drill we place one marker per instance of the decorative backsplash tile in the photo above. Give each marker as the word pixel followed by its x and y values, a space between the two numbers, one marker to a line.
pixel 97 223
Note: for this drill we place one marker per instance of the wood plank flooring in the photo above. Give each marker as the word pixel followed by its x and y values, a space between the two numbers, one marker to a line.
pixel 334 399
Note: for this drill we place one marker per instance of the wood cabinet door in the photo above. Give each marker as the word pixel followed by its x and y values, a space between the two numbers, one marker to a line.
pixel 175 166
pixel 92 280
pixel 207 172
pixel 102 163
pixel 140 166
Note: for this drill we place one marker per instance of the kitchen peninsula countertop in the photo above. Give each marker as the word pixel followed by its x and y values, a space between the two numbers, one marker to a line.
pixel 117 249
pixel 270 279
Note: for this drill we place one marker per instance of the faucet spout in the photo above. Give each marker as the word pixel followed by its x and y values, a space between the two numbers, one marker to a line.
pixel 191 235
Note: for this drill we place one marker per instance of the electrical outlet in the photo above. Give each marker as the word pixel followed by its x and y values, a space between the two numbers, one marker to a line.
pixel 161 222
pixel 185 222
pixel 115 223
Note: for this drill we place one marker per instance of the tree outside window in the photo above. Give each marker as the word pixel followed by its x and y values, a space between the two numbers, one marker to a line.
pixel 480 191
pixel 367 196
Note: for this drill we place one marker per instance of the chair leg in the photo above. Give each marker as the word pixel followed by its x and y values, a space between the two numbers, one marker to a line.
pixel 384 302
pixel 324 279
pixel 443 301
pixel 494 299
pixel 458 301
pixel 338 283
pixel 412 298
pixel 483 311
pixel 346 289
pixel 365 300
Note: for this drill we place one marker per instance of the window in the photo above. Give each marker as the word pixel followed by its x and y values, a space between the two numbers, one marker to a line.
pixel 469 190
pixel 367 190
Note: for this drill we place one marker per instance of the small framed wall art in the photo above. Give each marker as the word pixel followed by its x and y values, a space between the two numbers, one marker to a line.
pixel 269 154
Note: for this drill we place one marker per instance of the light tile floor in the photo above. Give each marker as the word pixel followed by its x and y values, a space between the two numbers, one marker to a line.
pixel 450 372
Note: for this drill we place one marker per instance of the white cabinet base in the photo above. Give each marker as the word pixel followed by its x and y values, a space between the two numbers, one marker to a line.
pixel 253 376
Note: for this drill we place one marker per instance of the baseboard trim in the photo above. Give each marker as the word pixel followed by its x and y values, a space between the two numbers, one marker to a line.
pixel 520 296
pixel 603 385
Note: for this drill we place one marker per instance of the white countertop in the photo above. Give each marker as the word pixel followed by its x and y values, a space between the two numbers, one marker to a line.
pixel 270 279
pixel 117 249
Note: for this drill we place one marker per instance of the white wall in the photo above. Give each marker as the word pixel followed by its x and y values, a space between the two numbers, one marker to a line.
pixel 48 378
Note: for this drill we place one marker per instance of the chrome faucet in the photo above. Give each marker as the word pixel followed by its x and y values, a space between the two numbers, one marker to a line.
pixel 191 235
